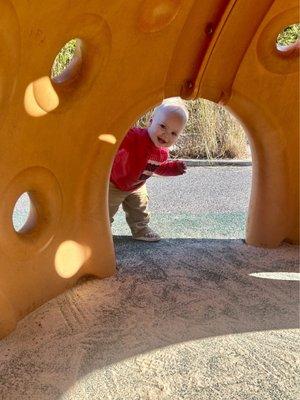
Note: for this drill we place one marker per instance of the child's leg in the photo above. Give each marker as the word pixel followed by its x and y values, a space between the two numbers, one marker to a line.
pixel 137 215
pixel 115 198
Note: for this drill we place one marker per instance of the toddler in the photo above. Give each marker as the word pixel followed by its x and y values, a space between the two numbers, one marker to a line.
pixel 142 153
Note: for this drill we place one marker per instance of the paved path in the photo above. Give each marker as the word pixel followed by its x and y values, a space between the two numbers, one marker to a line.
pixel 206 202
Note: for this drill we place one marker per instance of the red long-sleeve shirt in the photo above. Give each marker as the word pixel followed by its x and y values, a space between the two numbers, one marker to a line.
pixel 137 159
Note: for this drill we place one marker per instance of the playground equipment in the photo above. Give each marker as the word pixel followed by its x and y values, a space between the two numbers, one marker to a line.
pixel 59 136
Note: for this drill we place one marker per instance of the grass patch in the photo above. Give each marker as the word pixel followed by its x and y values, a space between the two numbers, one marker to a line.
pixel 289 35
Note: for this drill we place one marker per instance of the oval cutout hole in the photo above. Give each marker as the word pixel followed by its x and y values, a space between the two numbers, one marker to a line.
pixel 67 64
pixel 289 38
pixel 24 214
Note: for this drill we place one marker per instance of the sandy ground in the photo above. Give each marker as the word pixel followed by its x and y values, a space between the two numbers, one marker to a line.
pixel 182 319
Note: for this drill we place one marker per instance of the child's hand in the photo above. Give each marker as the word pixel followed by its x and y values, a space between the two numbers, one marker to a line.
pixel 171 168
pixel 181 167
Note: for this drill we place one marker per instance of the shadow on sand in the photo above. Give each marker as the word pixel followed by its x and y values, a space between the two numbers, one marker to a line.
pixel 167 293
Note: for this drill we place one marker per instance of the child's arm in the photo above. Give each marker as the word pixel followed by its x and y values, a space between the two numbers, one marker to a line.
pixel 171 168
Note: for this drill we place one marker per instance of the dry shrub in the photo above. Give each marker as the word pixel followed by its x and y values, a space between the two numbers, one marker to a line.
pixel 211 132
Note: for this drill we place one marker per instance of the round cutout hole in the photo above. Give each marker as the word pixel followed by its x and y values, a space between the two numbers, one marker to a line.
pixel 67 64
pixel 24 214
pixel 288 38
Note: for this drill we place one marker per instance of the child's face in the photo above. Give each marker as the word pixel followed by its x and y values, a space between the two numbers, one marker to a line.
pixel 165 128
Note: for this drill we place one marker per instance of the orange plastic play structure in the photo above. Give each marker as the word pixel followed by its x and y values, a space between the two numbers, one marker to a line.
pixel 59 136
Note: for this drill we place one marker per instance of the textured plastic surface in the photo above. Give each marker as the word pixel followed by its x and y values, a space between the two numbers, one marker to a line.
pixel 58 137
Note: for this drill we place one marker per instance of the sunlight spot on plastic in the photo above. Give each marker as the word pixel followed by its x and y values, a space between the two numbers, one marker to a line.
pixel 280 276
pixel 156 15
pixel 70 257
pixel 108 138
pixel 40 97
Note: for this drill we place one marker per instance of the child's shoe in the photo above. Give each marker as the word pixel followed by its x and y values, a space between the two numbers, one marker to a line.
pixel 146 234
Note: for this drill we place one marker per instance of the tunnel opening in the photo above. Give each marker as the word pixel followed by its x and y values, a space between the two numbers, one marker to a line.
pixel 211 200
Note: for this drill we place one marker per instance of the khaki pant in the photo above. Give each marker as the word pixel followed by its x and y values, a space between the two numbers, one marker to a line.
pixel 134 203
